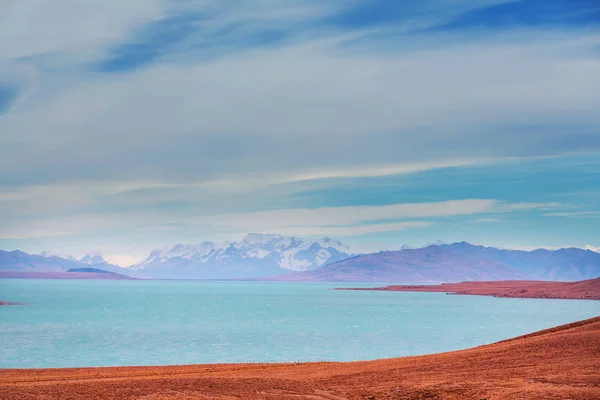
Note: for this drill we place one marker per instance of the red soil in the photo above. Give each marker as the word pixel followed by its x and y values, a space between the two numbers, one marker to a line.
pixel 587 290
pixel 558 363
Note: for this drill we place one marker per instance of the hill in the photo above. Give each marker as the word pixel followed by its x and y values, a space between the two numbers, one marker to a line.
pixel 457 262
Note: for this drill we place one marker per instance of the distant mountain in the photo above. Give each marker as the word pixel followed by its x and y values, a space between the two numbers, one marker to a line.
pixel 92 260
pixel 280 258
pixel 456 263
pixel 89 270
pixel 21 261
pixel 568 264
pixel 49 254
pixel 101 263
pixel 98 273
pixel 75 273
pixel 46 262
pixel 256 255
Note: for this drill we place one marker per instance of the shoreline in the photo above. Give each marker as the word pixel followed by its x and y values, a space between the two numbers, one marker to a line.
pixel 560 362
pixel 580 290
pixel 64 275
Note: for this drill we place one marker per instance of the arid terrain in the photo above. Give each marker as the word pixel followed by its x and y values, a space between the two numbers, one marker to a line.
pixel 583 290
pixel 558 363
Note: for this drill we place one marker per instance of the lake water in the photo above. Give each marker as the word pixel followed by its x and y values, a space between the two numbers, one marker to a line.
pixel 107 323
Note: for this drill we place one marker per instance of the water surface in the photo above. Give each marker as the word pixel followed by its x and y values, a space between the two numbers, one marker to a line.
pixel 108 323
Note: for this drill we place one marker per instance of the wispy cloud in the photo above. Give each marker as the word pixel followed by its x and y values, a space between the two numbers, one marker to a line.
pixel 574 214
pixel 485 220
pixel 333 221
pixel 546 247
pixel 123 112
pixel 70 30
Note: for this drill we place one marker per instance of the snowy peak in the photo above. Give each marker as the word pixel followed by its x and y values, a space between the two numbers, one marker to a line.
pixel 333 244
pixel 92 260
pixel 180 251
pixel 259 239
pixel 46 254
pixel 49 254
pixel 273 250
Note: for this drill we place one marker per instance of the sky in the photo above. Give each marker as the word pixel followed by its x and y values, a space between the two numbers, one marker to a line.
pixel 126 126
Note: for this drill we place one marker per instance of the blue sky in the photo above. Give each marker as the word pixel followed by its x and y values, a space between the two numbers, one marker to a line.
pixel 130 126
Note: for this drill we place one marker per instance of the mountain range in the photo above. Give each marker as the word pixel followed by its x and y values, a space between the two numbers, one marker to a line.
pixel 254 256
pixel 46 262
pixel 458 262
pixel 280 258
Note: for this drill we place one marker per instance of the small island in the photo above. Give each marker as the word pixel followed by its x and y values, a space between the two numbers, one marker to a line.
pixel 580 290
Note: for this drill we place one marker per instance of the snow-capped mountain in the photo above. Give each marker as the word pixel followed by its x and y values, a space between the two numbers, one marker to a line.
pixel 50 254
pixel 97 261
pixel 255 255
pixel 92 260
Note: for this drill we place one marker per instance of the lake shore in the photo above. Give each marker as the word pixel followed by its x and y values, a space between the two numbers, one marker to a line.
pixel 557 363
pixel 581 290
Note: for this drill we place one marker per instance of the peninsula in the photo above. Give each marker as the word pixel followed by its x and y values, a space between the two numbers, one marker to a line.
pixel 582 290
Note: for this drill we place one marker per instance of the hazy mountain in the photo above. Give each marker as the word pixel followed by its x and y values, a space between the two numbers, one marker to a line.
pixel 568 264
pixel 99 262
pixel 292 259
pixel 458 262
pixel 21 261
pixel 49 254
pixel 92 260
pixel 47 262
pixel 256 255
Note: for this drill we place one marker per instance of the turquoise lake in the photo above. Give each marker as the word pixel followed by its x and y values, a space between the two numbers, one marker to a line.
pixel 109 323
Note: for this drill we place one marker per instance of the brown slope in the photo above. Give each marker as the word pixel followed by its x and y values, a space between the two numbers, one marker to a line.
pixel 560 363
pixel 585 290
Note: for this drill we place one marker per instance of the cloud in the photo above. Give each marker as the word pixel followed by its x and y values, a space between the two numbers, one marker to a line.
pixel 333 221
pixel 35 232
pixel 166 115
pixel 592 248
pixel 485 220
pixel 546 247
pixel 360 219
pixel 68 194
pixel 314 105
pixel 68 29
pixel 343 231
pixel 573 214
